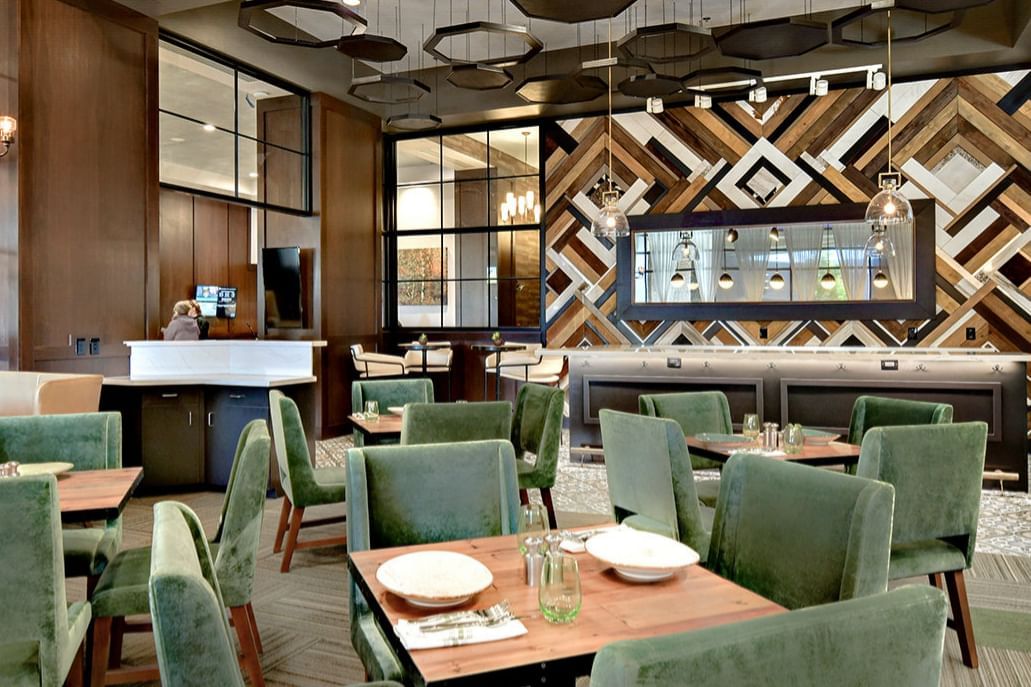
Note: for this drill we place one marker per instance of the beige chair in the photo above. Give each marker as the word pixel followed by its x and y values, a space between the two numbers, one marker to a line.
pixel 530 366
pixel 371 365
pixel 45 393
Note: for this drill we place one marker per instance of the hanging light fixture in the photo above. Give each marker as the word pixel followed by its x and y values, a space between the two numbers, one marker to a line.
pixel 889 207
pixel 523 208
pixel 880 280
pixel 686 249
pixel 677 281
pixel 692 280
pixel 828 280
pixel 777 281
pixel 732 236
pixel 775 234
pixel 726 281
pixel 611 221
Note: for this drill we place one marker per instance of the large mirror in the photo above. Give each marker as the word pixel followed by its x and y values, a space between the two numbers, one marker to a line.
pixel 783 263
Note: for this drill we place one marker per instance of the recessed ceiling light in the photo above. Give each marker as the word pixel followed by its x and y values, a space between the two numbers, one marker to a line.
pixel 253 175
pixel 209 127
pixel 177 139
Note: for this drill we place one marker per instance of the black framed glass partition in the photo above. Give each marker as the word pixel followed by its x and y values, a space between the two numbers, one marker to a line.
pixel 463 238
pixel 776 263
pixel 229 131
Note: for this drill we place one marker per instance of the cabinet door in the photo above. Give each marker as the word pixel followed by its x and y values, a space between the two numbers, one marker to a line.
pixel 173 438
pixel 229 410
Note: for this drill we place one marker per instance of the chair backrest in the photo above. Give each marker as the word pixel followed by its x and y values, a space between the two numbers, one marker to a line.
pixel 649 474
pixel 440 423
pixel 239 530
pixel 390 392
pixel 801 536
pixel 879 641
pixel 292 456
pixel 695 412
pixel 537 426
pixel 356 350
pixel 875 411
pixel 32 588
pixel 191 633
pixel 936 471
pixel 90 441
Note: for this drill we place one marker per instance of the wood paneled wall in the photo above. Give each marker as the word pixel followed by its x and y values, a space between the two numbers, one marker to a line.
pixel 9 190
pixel 206 241
pixel 86 180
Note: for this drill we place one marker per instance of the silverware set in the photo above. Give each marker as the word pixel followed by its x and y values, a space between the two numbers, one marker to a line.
pixel 498 614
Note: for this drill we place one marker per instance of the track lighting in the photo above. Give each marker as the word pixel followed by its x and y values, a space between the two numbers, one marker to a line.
pixel 654 106
pixel 876 80
pixel 757 95
pixel 703 102
pixel 818 86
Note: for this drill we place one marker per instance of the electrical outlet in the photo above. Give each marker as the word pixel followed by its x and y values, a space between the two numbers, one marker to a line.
pixel 674 363
pixel 912 334
pixel 80 346
pixel 94 346
pixel 764 333
pixel 971 334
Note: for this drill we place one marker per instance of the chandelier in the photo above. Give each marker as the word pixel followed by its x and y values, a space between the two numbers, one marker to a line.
pixel 610 222
pixel 522 208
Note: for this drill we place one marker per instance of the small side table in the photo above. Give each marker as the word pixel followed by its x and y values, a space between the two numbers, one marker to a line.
pixel 425 348
pixel 489 348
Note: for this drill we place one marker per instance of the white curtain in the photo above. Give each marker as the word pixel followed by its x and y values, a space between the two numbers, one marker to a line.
pixel 753 256
pixel 660 249
pixel 707 266
pixel 900 266
pixel 850 242
pixel 804 248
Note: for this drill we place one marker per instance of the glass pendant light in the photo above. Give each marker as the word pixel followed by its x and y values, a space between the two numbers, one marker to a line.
pixel 677 281
pixel 880 245
pixel 611 221
pixel 686 249
pixel 880 280
pixel 775 234
pixel 777 281
pixel 726 281
pixel 888 207
pixel 828 281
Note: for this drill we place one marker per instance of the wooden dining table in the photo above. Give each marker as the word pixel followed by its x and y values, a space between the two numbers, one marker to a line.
pixel 548 654
pixel 387 424
pixel 834 453
pixel 88 495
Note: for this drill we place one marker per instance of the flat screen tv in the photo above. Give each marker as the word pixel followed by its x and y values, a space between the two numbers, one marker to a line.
pixel 207 298
pixel 226 306
pixel 281 270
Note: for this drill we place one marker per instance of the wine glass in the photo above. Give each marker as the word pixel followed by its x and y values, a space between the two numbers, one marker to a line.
pixel 793 439
pixel 560 596
pixel 533 522
pixel 372 410
pixel 750 426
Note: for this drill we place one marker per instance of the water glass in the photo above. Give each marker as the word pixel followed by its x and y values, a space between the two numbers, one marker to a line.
pixel 750 426
pixel 559 596
pixel 372 410
pixel 533 522
pixel 793 439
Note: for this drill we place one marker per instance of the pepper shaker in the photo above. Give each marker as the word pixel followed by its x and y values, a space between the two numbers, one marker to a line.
pixel 533 561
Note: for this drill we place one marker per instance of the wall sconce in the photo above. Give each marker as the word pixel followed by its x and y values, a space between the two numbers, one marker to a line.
pixel 8 128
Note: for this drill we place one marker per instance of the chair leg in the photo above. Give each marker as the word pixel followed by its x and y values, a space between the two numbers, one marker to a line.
pixel 101 651
pixel 546 498
pixel 284 517
pixel 117 633
pixel 291 539
pixel 242 623
pixel 76 676
pixel 91 586
pixel 524 497
pixel 957 587
pixel 254 628
pixel 937 580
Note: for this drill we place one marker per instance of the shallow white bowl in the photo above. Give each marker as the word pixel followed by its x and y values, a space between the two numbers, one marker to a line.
pixel 641 556
pixel 434 579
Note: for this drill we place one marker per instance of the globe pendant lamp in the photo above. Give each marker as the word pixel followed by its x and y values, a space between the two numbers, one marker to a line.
pixel 611 221
pixel 880 280
pixel 677 280
pixel 888 207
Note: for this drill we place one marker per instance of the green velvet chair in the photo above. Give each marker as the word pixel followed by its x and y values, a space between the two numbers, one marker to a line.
pixel 389 392
pixel 936 471
pixel 537 429
pixel 874 411
pixel 651 483
pixel 801 536
pixel 885 640
pixel 448 423
pixel 90 441
pixel 696 412
pixel 122 591
pixel 303 485
pixel 41 636
pixel 403 495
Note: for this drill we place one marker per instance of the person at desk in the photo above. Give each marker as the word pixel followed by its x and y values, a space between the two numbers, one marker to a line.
pixel 182 327
pixel 202 322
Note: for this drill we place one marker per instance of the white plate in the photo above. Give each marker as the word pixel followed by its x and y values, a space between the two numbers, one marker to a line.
pixel 637 576
pixel 45 468
pixel 434 579
pixel 396 410
pixel 641 554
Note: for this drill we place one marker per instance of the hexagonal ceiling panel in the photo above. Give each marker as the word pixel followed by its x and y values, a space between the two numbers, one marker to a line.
pixel 571 11
pixel 441 43
pixel 667 43
pixel 479 77
pixel 772 39
pixel 561 89
pixel 388 89
pixel 868 27
pixel 372 48
pixel 304 23
pixel 936 6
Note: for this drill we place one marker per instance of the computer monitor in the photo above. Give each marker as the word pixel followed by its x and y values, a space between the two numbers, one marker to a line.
pixel 207 299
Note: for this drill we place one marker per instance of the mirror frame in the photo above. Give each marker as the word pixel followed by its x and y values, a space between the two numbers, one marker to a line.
pixel 922 306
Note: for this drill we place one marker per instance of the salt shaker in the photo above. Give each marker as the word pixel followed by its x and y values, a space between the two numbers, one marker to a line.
pixel 770 435
pixel 533 561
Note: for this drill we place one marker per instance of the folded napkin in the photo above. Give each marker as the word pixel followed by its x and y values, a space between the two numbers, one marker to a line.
pixel 579 544
pixel 413 638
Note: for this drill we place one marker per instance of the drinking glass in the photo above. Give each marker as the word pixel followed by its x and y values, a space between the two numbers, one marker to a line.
pixel 793 439
pixel 750 426
pixel 533 522
pixel 372 410
pixel 559 596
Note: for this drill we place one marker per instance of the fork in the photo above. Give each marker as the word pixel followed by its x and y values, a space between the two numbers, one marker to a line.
pixel 494 615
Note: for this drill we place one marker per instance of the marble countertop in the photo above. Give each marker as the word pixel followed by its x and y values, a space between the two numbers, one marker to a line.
pixel 260 381
pixel 223 342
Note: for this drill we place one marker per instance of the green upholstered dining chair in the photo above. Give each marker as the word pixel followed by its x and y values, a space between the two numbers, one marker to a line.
pixel 651 483
pixel 443 423
pixel 800 536
pixel 696 412
pixel 41 636
pixel 388 393
pixel 882 640
pixel 537 429
pixel 90 441
pixel 122 591
pixel 936 471
pixel 303 485
pixel 874 411
pixel 403 495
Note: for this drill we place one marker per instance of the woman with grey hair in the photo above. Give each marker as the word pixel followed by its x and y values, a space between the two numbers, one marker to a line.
pixel 182 327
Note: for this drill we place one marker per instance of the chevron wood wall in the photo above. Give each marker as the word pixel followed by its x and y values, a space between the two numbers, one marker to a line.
pixel 964 142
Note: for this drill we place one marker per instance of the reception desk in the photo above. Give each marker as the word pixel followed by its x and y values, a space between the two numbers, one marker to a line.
pixel 185 403
pixel 812 386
